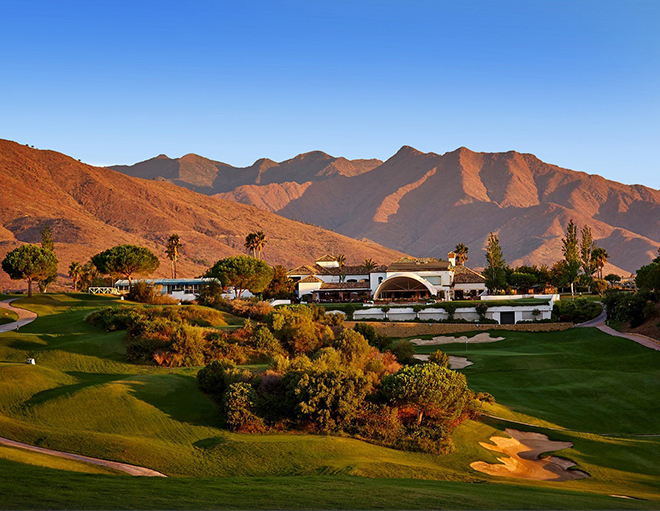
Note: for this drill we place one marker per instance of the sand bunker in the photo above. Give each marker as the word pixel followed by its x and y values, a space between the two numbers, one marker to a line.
pixel 454 362
pixel 477 339
pixel 523 462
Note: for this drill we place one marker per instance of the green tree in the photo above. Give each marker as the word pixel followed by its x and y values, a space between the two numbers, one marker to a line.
pixel 240 405
pixel 571 252
pixel 599 258
pixel 461 252
pixel 495 271
pixel 296 329
pixel 255 243
pixel 126 260
pixel 369 265
pixel 30 263
pixel 172 250
pixel 251 244
pixel 648 277
pixel 89 275
pixel 281 287
pixel 47 241
pixel 587 247
pixel 76 274
pixel 243 273
pixel 429 388
pixel 329 399
pixel 612 278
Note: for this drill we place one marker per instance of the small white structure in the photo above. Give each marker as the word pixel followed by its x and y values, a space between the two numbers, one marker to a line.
pixel 31 361
pixel 179 289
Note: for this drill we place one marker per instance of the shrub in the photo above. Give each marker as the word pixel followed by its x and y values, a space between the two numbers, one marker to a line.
pixel 353 348
pixel 215 378
pixel 325 401
pixel 296 329
pixel 143 292
pixel 369 333
pixel 240 402
pixel 440 358
pixel 482 308
pixel 404 351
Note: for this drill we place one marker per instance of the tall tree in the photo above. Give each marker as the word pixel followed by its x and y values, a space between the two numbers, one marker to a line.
pixel 251 243
pixel 495 271
pixel 31 263
pixel 242 273
pixel 281 287
pixel 47 241
pixel 341 259
pixel 599 258
pixel 461 252
pixel 126 260
pixel 587 247
pixel 571 253
pixel 369 264
pixel 89 275
pixel 260 242
pixel 76 273
pixel 174 245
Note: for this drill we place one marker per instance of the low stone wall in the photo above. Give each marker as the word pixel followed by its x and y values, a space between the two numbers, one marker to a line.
pixel 401 329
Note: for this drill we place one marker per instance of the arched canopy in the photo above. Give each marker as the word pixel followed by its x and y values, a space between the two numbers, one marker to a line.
pixel 405 285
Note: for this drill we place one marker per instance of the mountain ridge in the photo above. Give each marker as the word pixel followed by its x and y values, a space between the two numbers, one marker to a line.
pixel 92 208
pixel 424 203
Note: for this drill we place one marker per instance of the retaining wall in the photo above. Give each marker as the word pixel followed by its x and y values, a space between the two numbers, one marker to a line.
pixel 401 329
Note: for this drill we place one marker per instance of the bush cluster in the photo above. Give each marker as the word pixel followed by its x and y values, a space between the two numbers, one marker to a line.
pixel 631 308
pixel 576 311
pixel 143 292
pixel 344 386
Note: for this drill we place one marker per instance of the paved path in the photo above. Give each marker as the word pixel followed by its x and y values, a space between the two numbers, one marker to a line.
pixel 24 316
pixel 122 467
pixel 599 323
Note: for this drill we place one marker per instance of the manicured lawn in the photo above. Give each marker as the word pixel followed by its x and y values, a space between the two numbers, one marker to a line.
pixel 7 316
pixel 28 487
pixel 578 379
pixel 82 396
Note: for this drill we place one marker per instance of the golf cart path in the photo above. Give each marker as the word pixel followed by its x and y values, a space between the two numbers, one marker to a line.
pixel 24 316
pixel 599 323
pixel 122 467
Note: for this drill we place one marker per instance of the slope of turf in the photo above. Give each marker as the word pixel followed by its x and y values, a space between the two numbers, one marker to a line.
pixel 83 397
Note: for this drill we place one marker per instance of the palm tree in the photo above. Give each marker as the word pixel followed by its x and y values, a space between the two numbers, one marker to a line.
pixel 341 259
pixel 173 247
pixel 89 273
pixel 76 274
pixel 599 257
pixel 251 243
pixel 461 252
pixel 369 264
pixel 260 242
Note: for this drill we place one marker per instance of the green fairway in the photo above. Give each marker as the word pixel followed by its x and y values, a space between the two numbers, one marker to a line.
pixel 83 397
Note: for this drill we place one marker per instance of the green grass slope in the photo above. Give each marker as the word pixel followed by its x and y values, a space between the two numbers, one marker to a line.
pixel 83 397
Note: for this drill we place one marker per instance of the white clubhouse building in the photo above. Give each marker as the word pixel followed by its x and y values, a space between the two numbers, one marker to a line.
pixel 405 279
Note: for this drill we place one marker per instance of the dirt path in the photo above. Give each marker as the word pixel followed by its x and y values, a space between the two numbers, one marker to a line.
pixel 24 316
pixel 599 323
pixel 522 460
pixel 122 467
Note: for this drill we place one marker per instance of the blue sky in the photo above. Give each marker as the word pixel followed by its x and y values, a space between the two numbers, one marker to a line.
pixel 575 82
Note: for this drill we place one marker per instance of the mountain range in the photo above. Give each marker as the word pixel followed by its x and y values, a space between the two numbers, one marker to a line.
pixel 424 204
pixel 91 208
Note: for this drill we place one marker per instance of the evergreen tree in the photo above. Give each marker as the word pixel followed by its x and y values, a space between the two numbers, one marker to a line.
pixel 571 253
pixel 495 271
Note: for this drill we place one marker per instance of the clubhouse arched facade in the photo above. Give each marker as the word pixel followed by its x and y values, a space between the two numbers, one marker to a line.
pixel 404 286
pixel 407 279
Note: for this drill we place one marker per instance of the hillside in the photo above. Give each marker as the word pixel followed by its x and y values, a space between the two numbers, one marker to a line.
pixel 91 208
pixel 425 203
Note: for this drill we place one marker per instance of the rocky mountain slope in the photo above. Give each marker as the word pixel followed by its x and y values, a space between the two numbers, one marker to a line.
pixel 425 203
pixel 91 208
